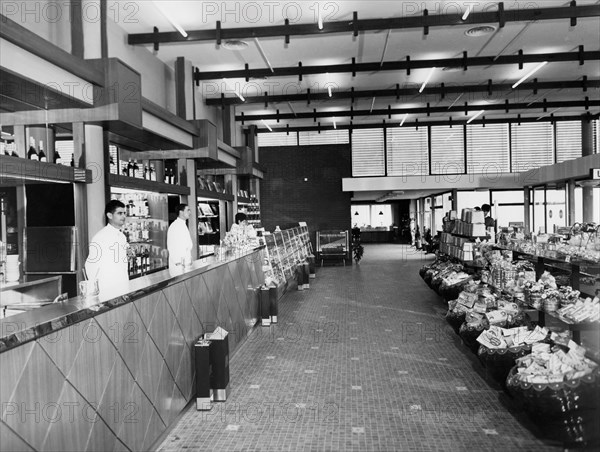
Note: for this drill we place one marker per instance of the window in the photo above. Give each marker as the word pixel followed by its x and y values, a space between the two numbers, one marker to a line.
pixel 487 149
pixel 325 137
pixel 277 139
pixel 531 146
pixel 65 150
pixel 407 151
pixel 568 140
pixel 471 199
pixel 368 153
pixel 447 150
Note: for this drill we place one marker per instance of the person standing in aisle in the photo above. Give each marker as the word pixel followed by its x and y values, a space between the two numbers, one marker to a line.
pixel 179 240
pixel 489 221
pixel 108 250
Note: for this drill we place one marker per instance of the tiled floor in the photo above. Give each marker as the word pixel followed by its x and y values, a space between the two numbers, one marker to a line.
pixel 361 361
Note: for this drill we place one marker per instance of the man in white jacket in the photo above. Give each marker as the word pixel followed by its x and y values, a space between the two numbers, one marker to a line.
pixel 179 241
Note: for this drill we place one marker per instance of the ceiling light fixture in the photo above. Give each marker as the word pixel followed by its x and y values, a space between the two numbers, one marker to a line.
pixel 164 12
pixel 356 213
pixel 427 79
pixel 403 119
pixel 262 53
pixel 334 124
pixel 319 18
pixel 267 125
pixel 480 112
pixel 234 44
pixel 530 73
pixel 467 12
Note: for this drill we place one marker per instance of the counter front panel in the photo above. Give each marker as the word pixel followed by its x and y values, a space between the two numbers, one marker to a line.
pixel 118 378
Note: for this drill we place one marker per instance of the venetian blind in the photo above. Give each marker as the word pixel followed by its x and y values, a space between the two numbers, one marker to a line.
pixel 325 137
pixel 407 151
pixel 277 139
pixel 531 146
pixel 368 152
pixel 487 149
pixel 568 140
pixel 65 150
pixel 447 150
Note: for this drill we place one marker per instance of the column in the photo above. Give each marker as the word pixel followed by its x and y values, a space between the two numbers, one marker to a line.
pixel 93 159
pixel 587 148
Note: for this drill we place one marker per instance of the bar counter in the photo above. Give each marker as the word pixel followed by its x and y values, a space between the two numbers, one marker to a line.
pixel 113 372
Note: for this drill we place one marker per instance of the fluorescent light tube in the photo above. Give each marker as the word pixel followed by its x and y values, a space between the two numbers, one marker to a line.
pixel 427 79
pixel 320 19
pixel 334 124
pixel 404 119
pixel 467 12
pixel 530 73
pixel 475 116
pixel 164 12
pixel 267 125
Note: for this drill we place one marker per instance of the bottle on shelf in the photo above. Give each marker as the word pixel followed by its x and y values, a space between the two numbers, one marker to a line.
pixel 57 159
pixel 42 154
pixel 167 176
pixel 130 168
pixel 152 172
pixel 145 175
pixel 72 160
pixel 32 153
pixel 136 168
pixel 130 208
pixel 112 164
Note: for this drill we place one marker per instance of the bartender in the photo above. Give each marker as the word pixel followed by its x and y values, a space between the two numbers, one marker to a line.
pixel 179 241
pixel 108 250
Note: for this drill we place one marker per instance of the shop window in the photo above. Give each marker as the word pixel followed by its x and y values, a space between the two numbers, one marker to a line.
pixel 556 209
pixel 508 197
pixel 531 146
pixel 407 151
pixel 277 139
pixel 368 155
pixel 487 149
pixel 568 140
pixel 447 150
pixel 507 214
pixel 325 137
pixel 471 199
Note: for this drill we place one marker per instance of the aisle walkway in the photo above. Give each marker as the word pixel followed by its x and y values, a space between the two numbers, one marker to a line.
pixel 361 361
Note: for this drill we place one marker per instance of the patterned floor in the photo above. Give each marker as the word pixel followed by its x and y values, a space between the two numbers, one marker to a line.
pixel 362 361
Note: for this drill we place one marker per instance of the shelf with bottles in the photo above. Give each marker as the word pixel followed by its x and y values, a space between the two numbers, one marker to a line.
pixel 145 259
pixel 209 222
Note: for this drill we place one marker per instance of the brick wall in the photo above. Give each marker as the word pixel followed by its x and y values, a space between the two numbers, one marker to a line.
pixel 286 198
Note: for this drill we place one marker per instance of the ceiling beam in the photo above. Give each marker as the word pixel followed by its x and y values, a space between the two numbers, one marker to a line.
pixel 399 92
pixel 431 123
pixel 500 17
pixel 519 59
pixel 420 110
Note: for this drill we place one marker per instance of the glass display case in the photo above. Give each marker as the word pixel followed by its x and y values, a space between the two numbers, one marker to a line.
pixel 333 245
pixel 146 229
pixel 286 249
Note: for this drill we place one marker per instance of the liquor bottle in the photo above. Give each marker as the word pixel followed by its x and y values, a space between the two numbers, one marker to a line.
pixel 171 176
pixel 146 260
pixel 146 173
pixel 130 168
pixel 146 208
pixel 152 172
pixel 135 168
pixel 138 261
pixel 129 208
pixel 42 154
pixel 73 160
pixel 57 157
pixel 112 166
pixel 32 153
pixel 166 176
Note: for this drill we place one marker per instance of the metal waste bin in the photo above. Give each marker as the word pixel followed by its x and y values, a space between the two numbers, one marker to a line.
pixel 273 304
pixel 265 307
pixel 204 394
pixel 219 363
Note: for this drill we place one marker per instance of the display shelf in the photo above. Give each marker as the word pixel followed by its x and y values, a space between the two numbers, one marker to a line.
pixel 132 183
pixel 286 249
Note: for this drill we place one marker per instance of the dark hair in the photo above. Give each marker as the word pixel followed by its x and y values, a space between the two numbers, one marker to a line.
pixel 477 208
pixel 111 206
pixel 180 208
pixel 486 207
pixel 239 217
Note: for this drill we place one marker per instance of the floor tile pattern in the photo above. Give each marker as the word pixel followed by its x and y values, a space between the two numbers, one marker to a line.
pixel 361 361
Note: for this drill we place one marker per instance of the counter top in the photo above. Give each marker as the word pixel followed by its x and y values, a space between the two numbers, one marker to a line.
pixel 15 285
pixel 30 325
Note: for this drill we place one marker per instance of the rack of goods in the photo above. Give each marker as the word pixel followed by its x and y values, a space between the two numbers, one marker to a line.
pixel 285 251
pixel 249 205
pixel 145 229
pixel 460 234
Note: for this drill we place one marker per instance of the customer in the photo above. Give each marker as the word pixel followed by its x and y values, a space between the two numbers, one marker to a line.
pixel 108 250
pixel 241 233
pixel 488 220
pixel 179 241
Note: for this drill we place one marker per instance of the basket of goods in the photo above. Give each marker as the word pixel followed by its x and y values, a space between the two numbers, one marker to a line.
pixel 499 348
pixel 472 327
pixel 453 285
pixel 559 388
pixel 581 311
pixel 423 270
pixel 551 300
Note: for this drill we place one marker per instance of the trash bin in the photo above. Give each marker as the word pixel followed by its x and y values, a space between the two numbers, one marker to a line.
pixel 219 363
pixel 204 394
pixel 306 274
pixel 273 304
pixel 265 307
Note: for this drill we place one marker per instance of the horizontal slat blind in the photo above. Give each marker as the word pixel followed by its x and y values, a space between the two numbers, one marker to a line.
pixel 447 150
pixel 568 140
pixel 277 139
pixel 531 146
pixel 368 153
pixel 487 149
pixel 65 150
pixel 325 137
pixel 407 151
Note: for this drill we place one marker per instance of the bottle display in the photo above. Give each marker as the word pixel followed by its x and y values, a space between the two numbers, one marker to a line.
pixel 72 160
pixel 57 159
pixel 145 229
pixel 32 152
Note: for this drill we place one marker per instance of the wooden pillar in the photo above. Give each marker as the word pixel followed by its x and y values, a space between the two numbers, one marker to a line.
pixel 587 148
pixel 570 202
pixel 193 203
pixel 96 192
pixel 526 204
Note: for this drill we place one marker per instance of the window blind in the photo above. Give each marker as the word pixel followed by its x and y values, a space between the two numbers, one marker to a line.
pixel 407 151
pixel 447 150
pixel 277 139
pixel 487 149
pixel 65 150
pixel 568 140
pixel 368 152
pixel 531 146
pixel 325 137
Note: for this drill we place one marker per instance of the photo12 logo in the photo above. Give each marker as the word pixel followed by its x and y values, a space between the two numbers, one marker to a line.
pixel 267 12
pixel 30 12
